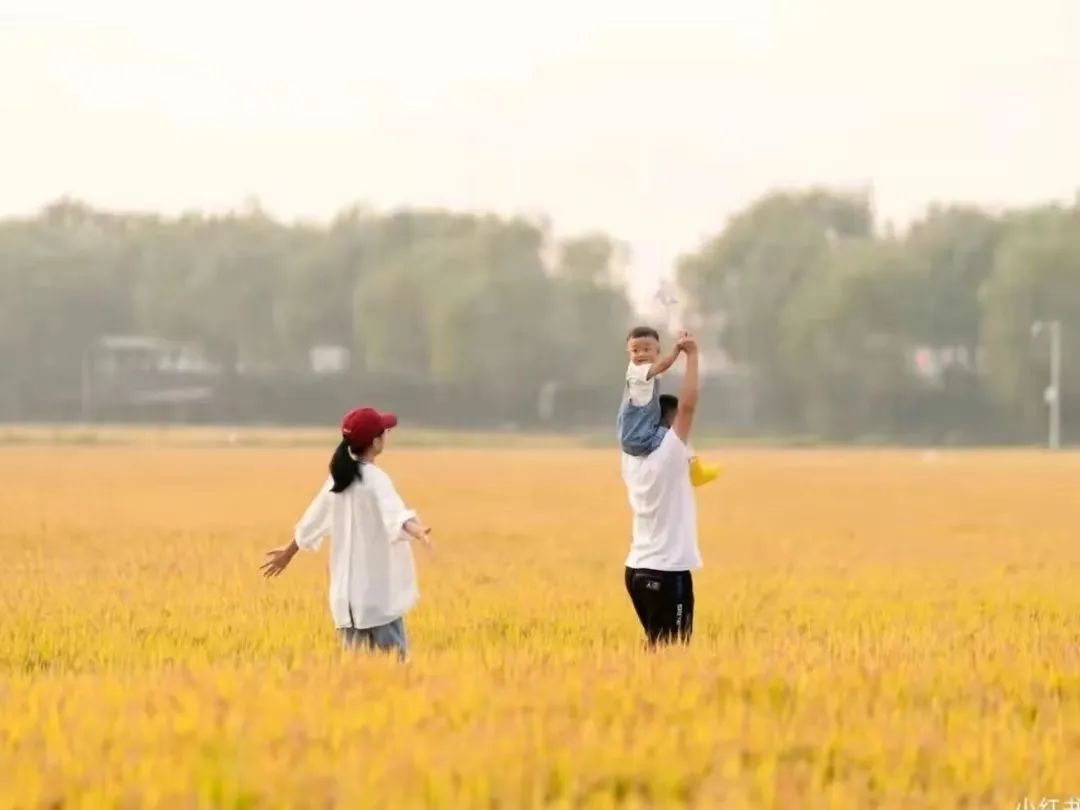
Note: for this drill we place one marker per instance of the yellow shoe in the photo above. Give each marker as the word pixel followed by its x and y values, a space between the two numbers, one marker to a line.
pixel 701 474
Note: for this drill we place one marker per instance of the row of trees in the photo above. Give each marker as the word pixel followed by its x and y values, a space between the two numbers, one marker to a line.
pixel 427 296
pixel 836 328
pixel 927 334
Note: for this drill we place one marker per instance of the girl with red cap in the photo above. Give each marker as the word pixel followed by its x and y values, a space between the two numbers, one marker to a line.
pixel 372 575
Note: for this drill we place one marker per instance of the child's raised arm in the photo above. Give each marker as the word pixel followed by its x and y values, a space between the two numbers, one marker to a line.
pixel 668 360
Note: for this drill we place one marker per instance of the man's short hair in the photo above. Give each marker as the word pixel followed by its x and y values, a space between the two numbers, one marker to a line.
pixel 669 404
pixel 643 332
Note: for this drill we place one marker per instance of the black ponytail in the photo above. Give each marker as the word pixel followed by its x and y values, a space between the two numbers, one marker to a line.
pixel 344 469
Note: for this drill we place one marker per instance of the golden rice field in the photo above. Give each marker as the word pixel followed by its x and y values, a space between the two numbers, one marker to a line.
pixel 874 629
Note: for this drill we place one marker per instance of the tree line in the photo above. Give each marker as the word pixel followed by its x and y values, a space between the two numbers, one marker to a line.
pixel 857 331
pixel 835 327
pixel 427 301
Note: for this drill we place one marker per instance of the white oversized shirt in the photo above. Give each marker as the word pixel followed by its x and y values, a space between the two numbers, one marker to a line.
pixel 639 387
pixel 665 535
pixel 372 575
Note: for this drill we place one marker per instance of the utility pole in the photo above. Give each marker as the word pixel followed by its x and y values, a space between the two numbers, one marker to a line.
pixel 1052 396
pixel 87 381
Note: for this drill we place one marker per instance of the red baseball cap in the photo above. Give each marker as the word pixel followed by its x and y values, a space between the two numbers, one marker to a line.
pixel 362 426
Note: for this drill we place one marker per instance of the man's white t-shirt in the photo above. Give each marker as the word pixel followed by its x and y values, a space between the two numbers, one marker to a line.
pixel 665 536
pixel 638 384
pixel 372 576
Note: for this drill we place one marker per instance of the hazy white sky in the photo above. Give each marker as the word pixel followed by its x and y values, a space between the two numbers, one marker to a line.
pixel 653 121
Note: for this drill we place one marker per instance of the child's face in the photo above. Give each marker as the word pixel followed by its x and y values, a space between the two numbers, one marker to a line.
pixel 643 350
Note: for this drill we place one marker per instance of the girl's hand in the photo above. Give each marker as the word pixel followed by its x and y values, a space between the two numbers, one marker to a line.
pixel 279 560
pixel 418 531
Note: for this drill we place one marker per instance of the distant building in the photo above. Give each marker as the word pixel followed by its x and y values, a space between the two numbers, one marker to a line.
pixel 124 355
pixel 930 363
pixel 135 373
pixel 329 359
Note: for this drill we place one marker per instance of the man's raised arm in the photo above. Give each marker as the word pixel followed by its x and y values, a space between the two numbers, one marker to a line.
pixel 688 394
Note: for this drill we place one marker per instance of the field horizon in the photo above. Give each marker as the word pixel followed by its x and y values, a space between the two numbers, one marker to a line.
pixel 17 434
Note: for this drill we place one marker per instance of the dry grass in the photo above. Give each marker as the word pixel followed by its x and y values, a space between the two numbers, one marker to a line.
pixel 873 630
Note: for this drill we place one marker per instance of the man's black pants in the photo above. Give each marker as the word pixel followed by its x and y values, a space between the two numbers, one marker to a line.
pixel 664 601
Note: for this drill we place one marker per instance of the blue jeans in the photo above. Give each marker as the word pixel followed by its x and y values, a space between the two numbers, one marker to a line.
pixel 385 638
pixel 640 431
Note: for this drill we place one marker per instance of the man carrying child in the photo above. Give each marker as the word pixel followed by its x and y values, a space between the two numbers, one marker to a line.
pixel 658 467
